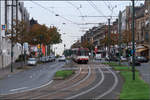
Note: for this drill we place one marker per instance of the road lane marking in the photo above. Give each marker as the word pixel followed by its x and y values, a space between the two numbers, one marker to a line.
pixel 84 92
pixel 34 69
pixel 18 89
pixel 13 92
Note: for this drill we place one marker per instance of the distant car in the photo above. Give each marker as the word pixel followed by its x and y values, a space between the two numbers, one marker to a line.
pixel 111 58
pixel 47 59
pixel 123 58
pixel 62 58
pixel 52 58
pixel 44 59
pixel 141 59
pixel 136 63
pixel 107 58
pixel 32 61
pixel 98 56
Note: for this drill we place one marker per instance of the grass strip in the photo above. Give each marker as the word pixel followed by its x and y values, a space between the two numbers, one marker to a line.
pixel 64 73
pixel 132 89
pixel 110 63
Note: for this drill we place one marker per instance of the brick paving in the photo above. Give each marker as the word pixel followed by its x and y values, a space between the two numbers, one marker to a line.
pixel 144 70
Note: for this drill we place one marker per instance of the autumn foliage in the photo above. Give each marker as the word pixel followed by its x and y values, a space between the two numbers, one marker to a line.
pixel 36 34
pixel 41 34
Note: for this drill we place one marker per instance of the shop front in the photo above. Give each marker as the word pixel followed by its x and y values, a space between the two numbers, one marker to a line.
pixel 142 51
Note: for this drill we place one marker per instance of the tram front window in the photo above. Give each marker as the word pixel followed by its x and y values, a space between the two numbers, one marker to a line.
pixel 83 53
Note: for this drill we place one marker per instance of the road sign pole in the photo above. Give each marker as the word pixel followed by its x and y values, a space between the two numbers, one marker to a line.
pixel 133 41
pixel 119 30
pixel 12 36
pixel 109 39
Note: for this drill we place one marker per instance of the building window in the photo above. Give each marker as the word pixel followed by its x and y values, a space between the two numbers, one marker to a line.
pixel 146 37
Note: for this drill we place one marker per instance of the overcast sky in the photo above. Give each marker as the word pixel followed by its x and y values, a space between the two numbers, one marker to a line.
pixel 70 13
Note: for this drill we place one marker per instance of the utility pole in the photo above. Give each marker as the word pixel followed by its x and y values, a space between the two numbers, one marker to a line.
pixel 0 35
pixel 133 41
pixel 16 12
pixel 40 46
pixel 64 48
pixel 12 11
pixel 119 30
pixel 109 39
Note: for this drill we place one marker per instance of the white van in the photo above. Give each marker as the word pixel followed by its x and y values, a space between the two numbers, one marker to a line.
pixel 98 55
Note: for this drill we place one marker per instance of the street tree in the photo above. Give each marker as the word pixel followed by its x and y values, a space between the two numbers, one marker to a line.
pixel 20 33
pixel 76 45
pixel 55 37
pixel 41 34
pixel 127 37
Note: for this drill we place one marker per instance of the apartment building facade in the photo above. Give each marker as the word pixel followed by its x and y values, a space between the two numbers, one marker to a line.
pixel 19 13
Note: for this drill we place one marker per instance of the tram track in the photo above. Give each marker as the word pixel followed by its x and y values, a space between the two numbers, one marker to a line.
pixel 67 87
pixel 90 82
pixel 41 92
pixel 84 94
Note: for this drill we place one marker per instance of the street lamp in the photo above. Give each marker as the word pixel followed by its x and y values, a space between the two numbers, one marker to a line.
pixel 109 39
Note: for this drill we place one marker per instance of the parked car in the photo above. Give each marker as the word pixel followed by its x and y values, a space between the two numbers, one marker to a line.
pixel 62 58
pixel 111 58
pixel 141 59
pixel 107 58
pixel 123 58
pixel 136 63
pixel 44 59
pixel 52 58
pixel 32 61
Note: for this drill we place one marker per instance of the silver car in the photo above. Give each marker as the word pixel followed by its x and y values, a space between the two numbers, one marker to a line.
pixel 32 61
pixel 62 58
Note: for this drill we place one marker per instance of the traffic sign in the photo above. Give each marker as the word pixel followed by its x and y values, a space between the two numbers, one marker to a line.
pixel 38 46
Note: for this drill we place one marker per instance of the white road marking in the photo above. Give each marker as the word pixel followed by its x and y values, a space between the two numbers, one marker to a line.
pixel 84 92
pixel 107 72
pixel 13 92
pixel 28 89
pixel 18 89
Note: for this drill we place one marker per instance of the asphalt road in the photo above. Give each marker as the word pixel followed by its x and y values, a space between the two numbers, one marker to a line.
pixel 30 79
pixel 91 81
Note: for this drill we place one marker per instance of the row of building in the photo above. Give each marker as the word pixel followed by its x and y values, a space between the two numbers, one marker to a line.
pixel 99 35
pixel 6 17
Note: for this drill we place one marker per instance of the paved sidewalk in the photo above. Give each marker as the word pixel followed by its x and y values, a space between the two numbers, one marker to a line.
pixel 7 71
pixel 144 70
